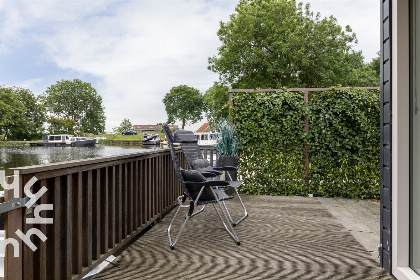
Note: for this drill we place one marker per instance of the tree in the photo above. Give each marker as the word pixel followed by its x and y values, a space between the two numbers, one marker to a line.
pixel 78 102
pixel 21 114
pixel 11 112
pixel 278 43
pixel 362 74
pixel 216 99
pixel 185 104
pixel 125 125
pixel 61 126
pixel 375 64
pixel 35 115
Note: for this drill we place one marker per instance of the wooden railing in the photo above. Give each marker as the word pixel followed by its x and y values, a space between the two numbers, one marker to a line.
pixel 209 152
pixel 99 205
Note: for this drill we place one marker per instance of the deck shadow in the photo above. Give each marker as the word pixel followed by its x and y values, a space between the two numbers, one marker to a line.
pixel 283 238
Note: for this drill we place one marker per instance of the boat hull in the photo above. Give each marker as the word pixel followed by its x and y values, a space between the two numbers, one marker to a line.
pixel 152 142
pixel 85 143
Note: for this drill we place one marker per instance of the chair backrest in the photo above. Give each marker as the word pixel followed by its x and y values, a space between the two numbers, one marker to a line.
pixel 170 139
pixel 186 136
pixel 189 145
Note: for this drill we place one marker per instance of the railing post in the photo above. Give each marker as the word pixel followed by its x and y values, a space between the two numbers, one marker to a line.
pixel 77 221
pixel 87 218
pixel 13 267
pixel 111 202
pixel 104 208
pixel 96 219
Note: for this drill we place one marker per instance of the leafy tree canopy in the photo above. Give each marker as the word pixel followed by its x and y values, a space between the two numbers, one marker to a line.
pixel 184 103
pixel 78 102
pixel 216 99
pixel 22 115
pixel 125 125
pixel 11 112
pixel 375 64
pixel 279 43
pixel 61 126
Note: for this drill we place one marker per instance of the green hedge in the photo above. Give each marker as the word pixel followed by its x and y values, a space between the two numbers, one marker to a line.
pixel 343 142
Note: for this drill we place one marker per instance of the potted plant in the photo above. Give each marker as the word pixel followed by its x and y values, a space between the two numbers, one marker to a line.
pixel 227 146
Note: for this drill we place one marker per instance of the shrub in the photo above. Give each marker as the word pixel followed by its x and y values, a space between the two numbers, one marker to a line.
pixel 343 142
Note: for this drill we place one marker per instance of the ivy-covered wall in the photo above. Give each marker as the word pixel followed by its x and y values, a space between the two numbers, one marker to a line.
pixel 343 142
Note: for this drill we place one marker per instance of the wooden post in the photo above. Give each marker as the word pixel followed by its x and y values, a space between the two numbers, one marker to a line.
pixel 230 107
pixel 13 221
pixel 111 202
pixel 77 220
pixel 306 168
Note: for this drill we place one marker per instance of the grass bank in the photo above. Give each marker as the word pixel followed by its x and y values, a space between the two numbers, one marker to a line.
pixel 12 143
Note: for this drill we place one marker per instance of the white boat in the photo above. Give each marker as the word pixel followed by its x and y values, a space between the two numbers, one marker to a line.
pixel 206 138
pixel 150 139
pixel 66 140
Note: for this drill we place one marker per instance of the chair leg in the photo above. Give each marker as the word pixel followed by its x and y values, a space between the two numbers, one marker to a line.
pixel 226 209
pixel 187 217
pixel 228 214
pixel 172 244
pixel 243 206
pixel 199 211
pixel 245 212
pixel 228 226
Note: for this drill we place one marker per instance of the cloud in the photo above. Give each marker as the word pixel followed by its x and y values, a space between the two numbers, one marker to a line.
pixel 134 51
pixel 361 15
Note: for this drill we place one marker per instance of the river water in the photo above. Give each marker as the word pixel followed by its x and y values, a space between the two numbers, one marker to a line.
pixel 24 156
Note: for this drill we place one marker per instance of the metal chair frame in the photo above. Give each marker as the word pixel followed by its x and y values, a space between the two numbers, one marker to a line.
pixel 216 188
pixel 191 150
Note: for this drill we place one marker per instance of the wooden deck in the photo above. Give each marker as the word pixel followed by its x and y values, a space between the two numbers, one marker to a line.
pixel 283 238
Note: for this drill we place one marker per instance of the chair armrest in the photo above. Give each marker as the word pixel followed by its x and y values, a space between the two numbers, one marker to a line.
pixel 235 183
pixel 226 168
pixel 215 172
pixel 209 174
pixel 210 183
pixel 188 141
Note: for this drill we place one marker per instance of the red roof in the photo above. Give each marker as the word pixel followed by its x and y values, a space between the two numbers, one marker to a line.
pixel 203 127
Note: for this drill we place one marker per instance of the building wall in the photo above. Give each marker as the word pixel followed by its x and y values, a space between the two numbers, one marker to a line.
pixel 386 137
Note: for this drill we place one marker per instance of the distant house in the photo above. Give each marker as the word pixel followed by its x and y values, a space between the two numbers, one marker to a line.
pixel 152 128
pixel 204 128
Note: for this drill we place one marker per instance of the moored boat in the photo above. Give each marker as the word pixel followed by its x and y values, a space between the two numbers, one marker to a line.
pixel 206 138
pixel 66 140
pixel 152 139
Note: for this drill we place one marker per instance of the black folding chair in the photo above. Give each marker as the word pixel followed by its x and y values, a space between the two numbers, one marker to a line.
pixel 199 191
pixel 196 161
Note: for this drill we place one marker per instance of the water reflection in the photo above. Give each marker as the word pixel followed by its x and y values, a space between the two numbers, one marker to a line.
pixel 24 156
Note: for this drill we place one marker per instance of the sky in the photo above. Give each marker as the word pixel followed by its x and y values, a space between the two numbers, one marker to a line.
pixel 134 51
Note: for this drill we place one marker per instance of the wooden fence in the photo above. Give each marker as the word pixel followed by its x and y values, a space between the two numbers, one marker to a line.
pixel 99 205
